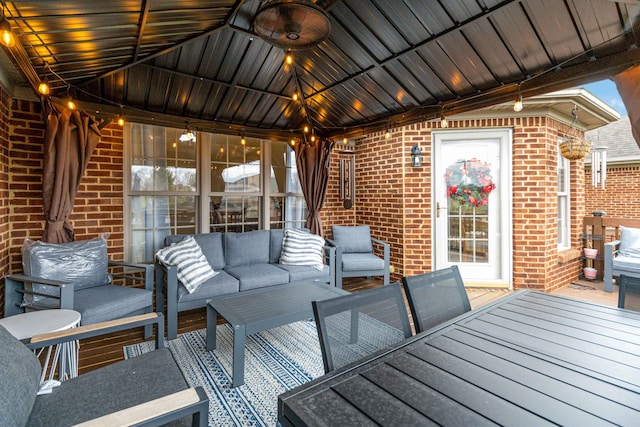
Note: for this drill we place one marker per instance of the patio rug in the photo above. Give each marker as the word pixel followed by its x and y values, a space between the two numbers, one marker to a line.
pixel 276 360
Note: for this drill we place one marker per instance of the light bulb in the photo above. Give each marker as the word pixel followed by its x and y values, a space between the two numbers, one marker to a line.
pixel 6 35
pixel 517 106
pixel 289 58
pixel 295 97
pixel 243 141
pixel 345 140
pixel 387 135
pixel 306 129
pixel 313 138
pixel 43 88
pixel 443 121
pixel 71 105
pixel 120 121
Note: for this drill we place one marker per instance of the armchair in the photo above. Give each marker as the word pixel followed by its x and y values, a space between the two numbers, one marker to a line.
pixel 76 276
pixel 129 392
pixel 622 256
pixel 358 254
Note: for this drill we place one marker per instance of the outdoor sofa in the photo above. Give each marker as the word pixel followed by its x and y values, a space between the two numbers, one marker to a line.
pixel 241 262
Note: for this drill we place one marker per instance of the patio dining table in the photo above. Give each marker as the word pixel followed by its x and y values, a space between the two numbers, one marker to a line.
pixel 529 358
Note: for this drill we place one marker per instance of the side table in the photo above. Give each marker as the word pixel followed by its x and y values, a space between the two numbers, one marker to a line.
pixel 26 325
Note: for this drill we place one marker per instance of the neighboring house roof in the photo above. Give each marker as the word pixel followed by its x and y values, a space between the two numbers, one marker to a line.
pixel 617 137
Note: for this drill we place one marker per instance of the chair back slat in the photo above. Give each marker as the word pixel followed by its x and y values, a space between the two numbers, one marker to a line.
pixel 353 326
pixel 629 292
pixel 436 297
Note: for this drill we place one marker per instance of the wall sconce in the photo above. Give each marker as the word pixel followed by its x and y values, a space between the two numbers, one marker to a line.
pixel 416 156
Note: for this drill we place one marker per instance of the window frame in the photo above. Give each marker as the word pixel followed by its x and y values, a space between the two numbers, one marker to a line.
pixel 564 202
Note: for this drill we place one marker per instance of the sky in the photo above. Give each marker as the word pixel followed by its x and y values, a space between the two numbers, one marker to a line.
pixel 606 90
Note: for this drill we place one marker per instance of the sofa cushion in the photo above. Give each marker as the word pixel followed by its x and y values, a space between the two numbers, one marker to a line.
pixel 83 263
pixel 108 389
pixel 303 272
pixel 360 261
pixel 275 248
pixel 193 267
pixel 258 275
pixel 19 380
pixel 302 248
pixel 353 239
pixel 210 244
pixel 630 241
pixel 110 302
pixel 221 284
pixel 247 248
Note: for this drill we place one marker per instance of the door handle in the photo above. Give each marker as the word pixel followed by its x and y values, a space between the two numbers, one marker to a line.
pixel 438 209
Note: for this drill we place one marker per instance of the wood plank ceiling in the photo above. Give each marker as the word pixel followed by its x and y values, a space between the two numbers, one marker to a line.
pixel 385 62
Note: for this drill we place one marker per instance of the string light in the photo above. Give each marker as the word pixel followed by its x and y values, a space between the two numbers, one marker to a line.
pixel 289 58
pixel 243 141
pixel 387 134
pixel 517 105
pixel 306 129
pixel 6 35
pixel 43 87
pixel 443 121
pixel 120 121
pixel 295 96
pixel 70 104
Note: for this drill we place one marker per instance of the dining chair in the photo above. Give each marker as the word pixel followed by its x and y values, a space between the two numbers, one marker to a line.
pixel 629 292
pixel 353 326
pixel 435 297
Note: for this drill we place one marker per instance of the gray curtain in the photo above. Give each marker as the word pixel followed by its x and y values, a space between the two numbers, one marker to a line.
pixel 70 139
pixel 313 161
pixel 628 84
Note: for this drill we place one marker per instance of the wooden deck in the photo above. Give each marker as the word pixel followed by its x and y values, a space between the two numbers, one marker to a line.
pixel 95 353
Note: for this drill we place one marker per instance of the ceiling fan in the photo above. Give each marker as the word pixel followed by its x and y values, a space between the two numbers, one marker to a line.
pixel 290 24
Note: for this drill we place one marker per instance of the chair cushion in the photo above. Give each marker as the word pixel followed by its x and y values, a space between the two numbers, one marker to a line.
pixel 19 380
pixel 193 268
pixel 109 389
pixel 626 264
pixel 630 241
pixel 247 248
pixel 110 302
pixel 353 239
pixel 83 263
pixel 221 284
pixel 275 248
pixel 360 261
pixel 304 272
pixel 302 248
pixel 258 275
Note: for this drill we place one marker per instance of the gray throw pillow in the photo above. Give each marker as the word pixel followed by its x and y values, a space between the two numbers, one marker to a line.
pixel 353 239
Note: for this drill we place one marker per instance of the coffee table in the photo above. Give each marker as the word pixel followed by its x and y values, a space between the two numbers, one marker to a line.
pixel 256 310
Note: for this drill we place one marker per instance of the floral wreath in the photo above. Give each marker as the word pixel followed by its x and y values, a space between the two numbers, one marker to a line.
pixel 469 182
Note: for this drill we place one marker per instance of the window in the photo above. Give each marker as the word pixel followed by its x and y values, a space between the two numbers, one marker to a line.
pixel 215 183
pixel 564 225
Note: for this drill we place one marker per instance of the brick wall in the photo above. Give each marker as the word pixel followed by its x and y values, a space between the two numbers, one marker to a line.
pixel 99 202
pixel 620 195
pixel 394 199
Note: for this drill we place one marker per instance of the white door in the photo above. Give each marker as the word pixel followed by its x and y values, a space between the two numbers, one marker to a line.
pixel 471 192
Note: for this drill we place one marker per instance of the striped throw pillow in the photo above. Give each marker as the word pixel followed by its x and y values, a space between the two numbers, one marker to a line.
pixel 193 267
pixel 301 248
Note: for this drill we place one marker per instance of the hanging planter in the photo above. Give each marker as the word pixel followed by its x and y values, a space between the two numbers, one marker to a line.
pixel 574 148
